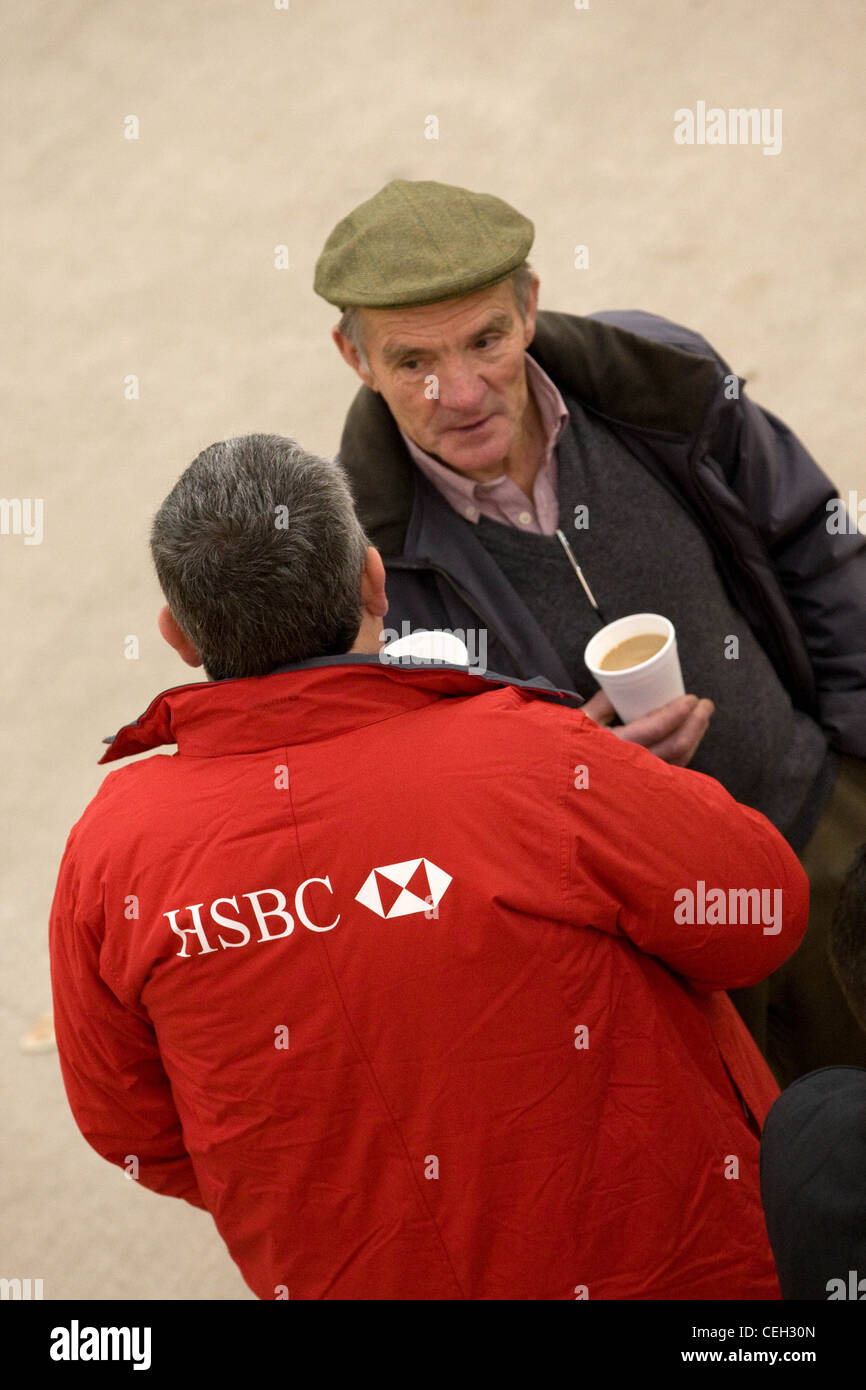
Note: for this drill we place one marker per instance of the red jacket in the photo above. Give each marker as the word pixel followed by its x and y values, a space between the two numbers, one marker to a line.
pixel 383 969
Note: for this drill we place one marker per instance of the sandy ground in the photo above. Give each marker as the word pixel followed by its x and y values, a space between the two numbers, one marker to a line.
pixel 154 258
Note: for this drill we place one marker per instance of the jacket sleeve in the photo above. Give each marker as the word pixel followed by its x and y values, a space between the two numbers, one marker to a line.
pixel 118 1091
pixel 819 564
pixel 645 844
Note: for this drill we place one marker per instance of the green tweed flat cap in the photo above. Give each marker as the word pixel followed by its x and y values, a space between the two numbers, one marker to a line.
pixel 418 243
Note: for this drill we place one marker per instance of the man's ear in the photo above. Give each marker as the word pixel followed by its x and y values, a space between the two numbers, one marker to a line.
pixel 531 312
pixel 373 584
pixel 350 355
pixel 177 639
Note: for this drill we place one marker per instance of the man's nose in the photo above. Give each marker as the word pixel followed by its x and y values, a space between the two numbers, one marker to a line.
pixel 460 388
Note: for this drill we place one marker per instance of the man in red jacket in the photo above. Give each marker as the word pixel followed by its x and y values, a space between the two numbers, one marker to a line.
pixel 413 978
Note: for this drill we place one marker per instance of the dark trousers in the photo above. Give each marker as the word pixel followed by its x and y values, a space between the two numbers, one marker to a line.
pixel 799 1017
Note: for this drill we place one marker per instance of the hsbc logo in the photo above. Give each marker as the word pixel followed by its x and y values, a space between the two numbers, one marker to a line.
pixel 398 890
pixel 394 890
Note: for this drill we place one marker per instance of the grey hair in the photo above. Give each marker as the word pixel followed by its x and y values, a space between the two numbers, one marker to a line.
pixel 350 322
pixel 259 554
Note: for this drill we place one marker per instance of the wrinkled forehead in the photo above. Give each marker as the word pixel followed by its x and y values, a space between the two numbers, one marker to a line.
pixel 448 324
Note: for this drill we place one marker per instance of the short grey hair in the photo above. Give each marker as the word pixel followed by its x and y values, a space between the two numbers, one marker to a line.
pixel 350 322
pixel 259 554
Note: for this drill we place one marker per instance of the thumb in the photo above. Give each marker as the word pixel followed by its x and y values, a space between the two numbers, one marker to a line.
pixel 599 708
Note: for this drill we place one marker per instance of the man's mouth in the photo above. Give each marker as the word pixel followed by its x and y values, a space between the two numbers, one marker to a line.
pixel 468 429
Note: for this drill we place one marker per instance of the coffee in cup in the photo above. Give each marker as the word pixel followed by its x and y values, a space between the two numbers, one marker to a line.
pixel 634 651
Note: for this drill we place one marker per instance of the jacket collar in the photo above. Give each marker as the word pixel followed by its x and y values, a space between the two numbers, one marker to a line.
pixel 631 380
pixel 313 700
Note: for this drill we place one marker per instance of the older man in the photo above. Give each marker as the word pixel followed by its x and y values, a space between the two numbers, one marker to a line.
pixel 496 451
pixel 297 982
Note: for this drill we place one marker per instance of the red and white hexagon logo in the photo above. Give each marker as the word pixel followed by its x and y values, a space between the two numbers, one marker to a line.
pixel 398 890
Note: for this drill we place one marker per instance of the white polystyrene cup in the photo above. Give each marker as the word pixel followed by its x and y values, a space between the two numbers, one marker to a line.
pixel 639 689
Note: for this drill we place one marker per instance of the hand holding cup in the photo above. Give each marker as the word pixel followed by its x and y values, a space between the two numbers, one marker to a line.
pixel 635 661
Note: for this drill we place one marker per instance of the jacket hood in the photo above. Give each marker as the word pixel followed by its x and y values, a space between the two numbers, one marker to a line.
pixel 299 704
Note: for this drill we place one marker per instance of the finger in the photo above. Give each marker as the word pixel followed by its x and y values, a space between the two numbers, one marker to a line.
pixel 660 723
pixel 679 748
pixel 599 708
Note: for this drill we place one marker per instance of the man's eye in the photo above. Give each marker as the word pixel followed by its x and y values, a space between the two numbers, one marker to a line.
pixel 487 340
pixel 410 365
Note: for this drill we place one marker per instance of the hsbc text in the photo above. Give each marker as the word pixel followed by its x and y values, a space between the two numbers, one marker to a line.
pixel 271 920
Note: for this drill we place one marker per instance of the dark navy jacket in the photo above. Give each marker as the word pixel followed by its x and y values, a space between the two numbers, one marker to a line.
pixel 813 1185
pixel 740 472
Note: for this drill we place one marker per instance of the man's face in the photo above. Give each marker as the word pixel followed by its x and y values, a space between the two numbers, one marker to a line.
pixel 469 350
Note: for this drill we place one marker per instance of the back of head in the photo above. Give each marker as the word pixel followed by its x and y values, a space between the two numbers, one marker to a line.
pixel 259 554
